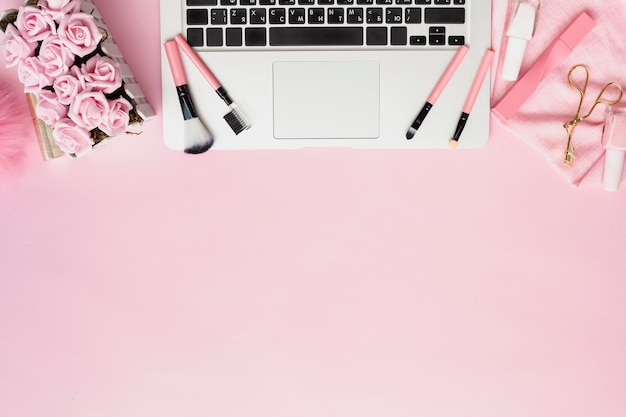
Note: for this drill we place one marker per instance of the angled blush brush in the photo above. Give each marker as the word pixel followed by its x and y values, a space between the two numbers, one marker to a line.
pixel 235 118
pixel 198 139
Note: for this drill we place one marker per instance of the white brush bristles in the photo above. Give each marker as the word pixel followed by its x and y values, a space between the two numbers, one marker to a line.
pixel 198 139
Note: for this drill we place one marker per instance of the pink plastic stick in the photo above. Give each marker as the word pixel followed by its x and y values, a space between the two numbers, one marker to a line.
pixel 197 61
pixel 558 50
pixel 176 64
pixel 445 77
pixel 478 81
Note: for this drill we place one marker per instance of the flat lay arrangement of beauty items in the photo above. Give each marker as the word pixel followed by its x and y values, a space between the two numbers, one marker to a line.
pixel 333 74
pixel 390 75
pixel 569 49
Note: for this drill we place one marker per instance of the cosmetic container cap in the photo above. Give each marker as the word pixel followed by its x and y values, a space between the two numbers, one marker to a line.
pixel 519 32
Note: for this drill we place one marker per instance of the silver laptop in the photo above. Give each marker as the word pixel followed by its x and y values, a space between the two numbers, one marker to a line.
pixel 329 73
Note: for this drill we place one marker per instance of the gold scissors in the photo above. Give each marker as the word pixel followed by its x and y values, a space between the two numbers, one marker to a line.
pixel 571 125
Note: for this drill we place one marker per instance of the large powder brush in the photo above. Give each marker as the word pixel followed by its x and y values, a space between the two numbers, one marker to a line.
pixel 14 120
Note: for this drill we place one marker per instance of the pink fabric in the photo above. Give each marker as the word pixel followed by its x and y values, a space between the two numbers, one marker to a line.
pixel 539 122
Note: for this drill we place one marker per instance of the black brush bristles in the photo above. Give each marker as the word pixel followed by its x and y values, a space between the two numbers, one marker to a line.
pixel 236 120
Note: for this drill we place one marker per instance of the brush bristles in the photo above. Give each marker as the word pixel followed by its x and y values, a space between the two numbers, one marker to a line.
pixel 236 120
pixel 198 139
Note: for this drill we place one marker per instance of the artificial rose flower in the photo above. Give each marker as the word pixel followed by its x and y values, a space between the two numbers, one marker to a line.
pixel 48 107
pixel 66 87
pixel 32 73
pixel 55 57
pixel 57 8
pixel 15 47
pixel 101 73
pixel 72 139
pixel 33 24
pixel 118 118
pixel 89 109
pixel 79 32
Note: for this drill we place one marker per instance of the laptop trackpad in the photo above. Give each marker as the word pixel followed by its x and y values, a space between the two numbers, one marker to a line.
pixel 326 100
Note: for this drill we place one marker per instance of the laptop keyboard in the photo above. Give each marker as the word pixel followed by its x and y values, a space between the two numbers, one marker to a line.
pixel 325 24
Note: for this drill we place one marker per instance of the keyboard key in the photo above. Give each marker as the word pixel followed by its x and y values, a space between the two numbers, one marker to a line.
pixel 439 15
pixel 287 2
pixel 413 15
pixel 277 16
pixel 443 2
pixel 256 37
pixel 335 15
pixel 393 15
pixel 316 15
pixel 417 40
pixel 398 35
pixel 297 16
pixel 376 36
pixel 423 1
pixel 197 17
pixel 218 16
pixel 214 37
pixel 195 37
pixel 456 40
pixel 355 15
pixel 258 16
pixel 238 16
pixel 228 2
pixel 437 35
pixel 233 37
pixel 316 36
pixel 201 2
pixel 374 15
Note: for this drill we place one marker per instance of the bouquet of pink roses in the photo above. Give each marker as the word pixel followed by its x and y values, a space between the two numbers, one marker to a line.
pixel 79 89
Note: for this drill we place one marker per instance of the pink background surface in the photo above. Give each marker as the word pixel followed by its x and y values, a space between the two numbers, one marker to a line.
pixel 142 282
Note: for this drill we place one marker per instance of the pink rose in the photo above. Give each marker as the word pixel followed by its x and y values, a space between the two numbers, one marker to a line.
pixel 33 24
pixel 66 88
pixel 48 107
pixel 72 139
pixel 15 47
pixel 117 120
pixel 78 31
pixel 101 74
pixel 89 109
pixel 55 57
pixel 32 73
pixel 57 8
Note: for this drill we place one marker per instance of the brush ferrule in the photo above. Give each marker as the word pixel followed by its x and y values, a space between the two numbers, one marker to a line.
pixel 224 95
pixel 186 104
pixel 460 126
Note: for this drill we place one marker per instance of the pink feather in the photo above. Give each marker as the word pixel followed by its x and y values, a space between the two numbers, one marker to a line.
pixel 13 124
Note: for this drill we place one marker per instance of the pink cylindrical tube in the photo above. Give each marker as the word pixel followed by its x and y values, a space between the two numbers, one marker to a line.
pixel 197 61
pixel 445 77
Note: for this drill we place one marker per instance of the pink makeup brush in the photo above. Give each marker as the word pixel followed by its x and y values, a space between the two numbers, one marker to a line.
pixel 198 139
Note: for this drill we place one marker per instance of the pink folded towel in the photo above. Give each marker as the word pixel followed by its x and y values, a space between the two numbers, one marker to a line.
pixel 540 120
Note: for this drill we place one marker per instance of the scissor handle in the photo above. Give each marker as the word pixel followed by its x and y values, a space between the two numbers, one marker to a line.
pixel 573 83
